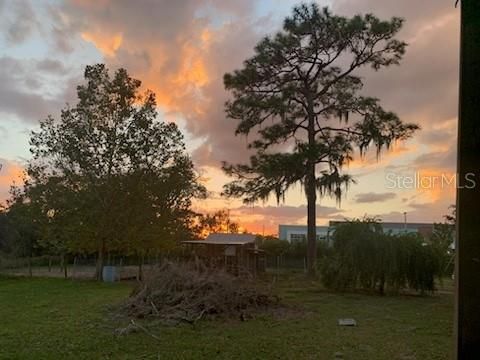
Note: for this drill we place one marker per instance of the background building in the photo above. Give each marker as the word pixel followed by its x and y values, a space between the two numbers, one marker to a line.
pixel 294 233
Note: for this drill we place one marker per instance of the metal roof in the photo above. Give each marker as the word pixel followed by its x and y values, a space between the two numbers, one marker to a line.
pixel 225 239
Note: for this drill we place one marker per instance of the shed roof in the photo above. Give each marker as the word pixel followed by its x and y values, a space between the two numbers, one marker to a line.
pixel 225 239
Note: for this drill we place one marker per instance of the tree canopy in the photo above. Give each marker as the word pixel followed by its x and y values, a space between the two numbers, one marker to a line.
pixel 109 175
pixel 217 222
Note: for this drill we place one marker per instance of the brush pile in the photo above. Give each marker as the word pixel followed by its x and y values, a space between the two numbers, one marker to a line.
pixel 174 293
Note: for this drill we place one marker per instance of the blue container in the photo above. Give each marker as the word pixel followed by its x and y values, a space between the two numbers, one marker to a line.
pixel 109 273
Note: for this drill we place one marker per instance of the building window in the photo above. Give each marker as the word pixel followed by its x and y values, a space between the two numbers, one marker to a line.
pixel 298 237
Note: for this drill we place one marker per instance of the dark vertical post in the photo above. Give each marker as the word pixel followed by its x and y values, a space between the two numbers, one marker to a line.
pixel 74 268
pixel 467 301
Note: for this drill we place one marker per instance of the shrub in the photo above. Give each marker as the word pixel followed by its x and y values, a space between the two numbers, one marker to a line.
pixel 275 247
pixel 362 256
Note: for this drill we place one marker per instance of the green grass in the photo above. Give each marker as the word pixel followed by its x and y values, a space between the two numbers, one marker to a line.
pixel 62 319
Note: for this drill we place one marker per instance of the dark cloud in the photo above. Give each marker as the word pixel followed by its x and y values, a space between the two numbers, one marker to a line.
pixel 420 206
pixel 424 88
pixel 28 107
pixel 21 23
pixel 17 82
pixel 438 137
pixel 51 66
pixel 433 193
pixel 62 31
pixel 441 160
pixel 286 213
pixel 413 11
pixel 372 197
pixel 428 212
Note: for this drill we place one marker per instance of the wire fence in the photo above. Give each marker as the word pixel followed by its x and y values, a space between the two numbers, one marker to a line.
pixel 123 267
pixel 76 267
pixel 284 262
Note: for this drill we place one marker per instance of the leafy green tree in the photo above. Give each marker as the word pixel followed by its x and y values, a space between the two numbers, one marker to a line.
pixel 5 233
pixel 23 230
pixel 301 92
pixel 218 222
pixel 56 210
pixel 109 174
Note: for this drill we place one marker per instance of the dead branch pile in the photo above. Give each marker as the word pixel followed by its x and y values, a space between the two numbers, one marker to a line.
pixel 183 292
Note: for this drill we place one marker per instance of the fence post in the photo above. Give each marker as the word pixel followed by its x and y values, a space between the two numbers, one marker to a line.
pixel 74 267
pixel 65 262
pixel 30 266
pixel 120 268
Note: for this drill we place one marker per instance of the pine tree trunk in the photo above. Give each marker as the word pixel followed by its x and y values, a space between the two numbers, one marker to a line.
pixel 311 192
pixel 74 267
pixel 311 223
pixel 467 271
pixel 65 266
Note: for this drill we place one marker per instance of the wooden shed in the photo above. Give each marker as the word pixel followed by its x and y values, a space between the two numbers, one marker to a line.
pixel 237 253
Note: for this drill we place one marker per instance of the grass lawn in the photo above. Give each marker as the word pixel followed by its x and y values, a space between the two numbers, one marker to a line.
pixel 44 318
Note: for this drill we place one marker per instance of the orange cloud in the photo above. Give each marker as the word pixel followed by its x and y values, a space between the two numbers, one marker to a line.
pixel 177 73
pixel 10 173
pixel 370 159
pixel 263 228
pixel 192 71
pixel 435 184
pixel 108 45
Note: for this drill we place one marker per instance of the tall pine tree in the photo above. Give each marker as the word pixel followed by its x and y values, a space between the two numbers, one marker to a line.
pixel 301 97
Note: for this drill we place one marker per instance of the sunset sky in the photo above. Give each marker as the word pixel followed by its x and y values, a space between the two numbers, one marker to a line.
pixel 181 49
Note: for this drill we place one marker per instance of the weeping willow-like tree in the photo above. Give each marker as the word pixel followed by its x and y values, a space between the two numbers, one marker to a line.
pixel 363 256
pixel 301 97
